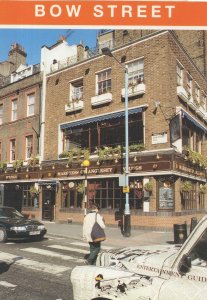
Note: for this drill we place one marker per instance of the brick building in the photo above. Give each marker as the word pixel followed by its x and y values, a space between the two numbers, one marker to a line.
pixel 82 117
pixel 166 91
pixel 20 101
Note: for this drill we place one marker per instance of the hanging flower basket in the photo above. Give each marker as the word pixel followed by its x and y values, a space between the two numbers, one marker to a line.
pixel 148 187
pixel 187 186
pixel 203 188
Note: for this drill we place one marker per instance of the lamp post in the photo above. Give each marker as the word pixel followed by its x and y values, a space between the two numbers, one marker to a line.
pixel 85 164
pixel 127 221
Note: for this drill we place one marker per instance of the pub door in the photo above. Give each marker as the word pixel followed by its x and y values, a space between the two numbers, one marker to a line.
pixel 48 204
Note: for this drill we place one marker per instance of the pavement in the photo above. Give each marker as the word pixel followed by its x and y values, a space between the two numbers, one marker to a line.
pixel 114 237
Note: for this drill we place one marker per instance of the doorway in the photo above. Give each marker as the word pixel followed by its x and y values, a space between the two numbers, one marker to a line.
pixel 48 204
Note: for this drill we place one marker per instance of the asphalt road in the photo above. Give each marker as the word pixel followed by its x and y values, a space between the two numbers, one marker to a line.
pixel 39 270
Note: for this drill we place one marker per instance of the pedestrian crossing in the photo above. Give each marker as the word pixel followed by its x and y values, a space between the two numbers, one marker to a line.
pixel 38 258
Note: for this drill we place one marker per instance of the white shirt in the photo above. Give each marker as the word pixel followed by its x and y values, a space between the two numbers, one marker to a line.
pixel 88 223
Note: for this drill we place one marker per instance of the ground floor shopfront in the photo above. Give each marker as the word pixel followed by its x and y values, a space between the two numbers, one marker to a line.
pixel 55 192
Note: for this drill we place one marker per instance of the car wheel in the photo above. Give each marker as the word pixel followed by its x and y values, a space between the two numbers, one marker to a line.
pixel 3 235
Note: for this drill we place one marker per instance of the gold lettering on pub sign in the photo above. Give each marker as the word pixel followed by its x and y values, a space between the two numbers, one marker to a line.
pixel 11 177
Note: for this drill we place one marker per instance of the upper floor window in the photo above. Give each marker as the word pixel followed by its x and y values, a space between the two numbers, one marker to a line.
pixel 197 94
pixel 29 146
pixel 136 71
pixel 1 114
pixel 30 104
pixel 12 150
pixel 189 85
pixel 203 101
pixel 179 69
pixel 14 110
pixel 76 90
pixel 104 82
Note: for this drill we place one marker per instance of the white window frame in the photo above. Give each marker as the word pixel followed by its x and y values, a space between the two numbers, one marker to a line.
pixel 197 94
pixel 14 110
pixel 103 82
pixel 76 90
pixel 30 104
pixel 189 85
pixel 136 71
pixel 12 150
pixel 29 147
pixel 179 72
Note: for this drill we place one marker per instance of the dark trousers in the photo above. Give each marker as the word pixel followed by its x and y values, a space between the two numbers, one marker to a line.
pixel 94 251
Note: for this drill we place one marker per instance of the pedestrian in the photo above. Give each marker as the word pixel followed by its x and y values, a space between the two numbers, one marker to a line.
pixel 88 223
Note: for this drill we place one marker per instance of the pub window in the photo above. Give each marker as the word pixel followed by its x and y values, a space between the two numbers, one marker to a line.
pixel 29 199
pixel 166 194
pixel 189 85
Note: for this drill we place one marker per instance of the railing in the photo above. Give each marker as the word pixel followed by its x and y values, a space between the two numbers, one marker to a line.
pixel 8 79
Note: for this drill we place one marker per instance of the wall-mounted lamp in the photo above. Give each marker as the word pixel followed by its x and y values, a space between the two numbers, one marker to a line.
pixel 98 163
pixel 157 156
pixel 156 104
pixel 135 159
pixel 154 166
pixel 116 161
pixel 53 167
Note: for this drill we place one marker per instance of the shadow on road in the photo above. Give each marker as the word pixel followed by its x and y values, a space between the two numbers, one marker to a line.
pixel 4 266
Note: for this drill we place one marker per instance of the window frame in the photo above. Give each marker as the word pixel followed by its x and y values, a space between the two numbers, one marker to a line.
pixel 108 80
pixel 14 110
pixel 12 150
pixel 139 72
pixel 29 147
pixel 29 105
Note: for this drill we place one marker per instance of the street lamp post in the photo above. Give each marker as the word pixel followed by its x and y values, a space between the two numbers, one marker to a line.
pixel 85 164
pixel 127 221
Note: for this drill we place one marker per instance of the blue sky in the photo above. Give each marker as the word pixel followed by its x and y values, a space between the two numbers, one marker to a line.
pixel 33 39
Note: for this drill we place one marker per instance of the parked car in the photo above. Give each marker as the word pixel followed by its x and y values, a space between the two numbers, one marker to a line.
pixel 14 225
pixel 161 272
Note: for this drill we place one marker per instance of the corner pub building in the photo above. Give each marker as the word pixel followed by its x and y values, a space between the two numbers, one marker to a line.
pixel 82 118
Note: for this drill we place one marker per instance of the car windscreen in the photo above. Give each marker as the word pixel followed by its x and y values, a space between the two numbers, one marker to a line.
pixel 10 213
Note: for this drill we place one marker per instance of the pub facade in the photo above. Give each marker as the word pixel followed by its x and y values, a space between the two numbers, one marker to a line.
pixel 83 120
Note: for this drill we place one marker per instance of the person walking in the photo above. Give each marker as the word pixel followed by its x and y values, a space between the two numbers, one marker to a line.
pixel 89 220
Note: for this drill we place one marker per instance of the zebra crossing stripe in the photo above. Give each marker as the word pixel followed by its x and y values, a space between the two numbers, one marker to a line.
pixel 82 244
pixel 69 249
pixel 7 284
pixel 32 264
pixel 51 254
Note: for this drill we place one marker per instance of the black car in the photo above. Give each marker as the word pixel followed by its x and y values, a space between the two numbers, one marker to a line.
pixel 14 225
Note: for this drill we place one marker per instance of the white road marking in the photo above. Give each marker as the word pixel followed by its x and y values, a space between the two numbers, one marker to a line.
pixel 49 237
pixel 7 284
pixel 51 254
pixel 86 245
pixel 69 249
pixel 32 264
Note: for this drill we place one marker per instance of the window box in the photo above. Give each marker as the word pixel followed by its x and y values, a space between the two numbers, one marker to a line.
pixel 193 104
pixel 134 90
pixel 74 106
pixel 201 111
pixel 101 99
pixel 182 93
